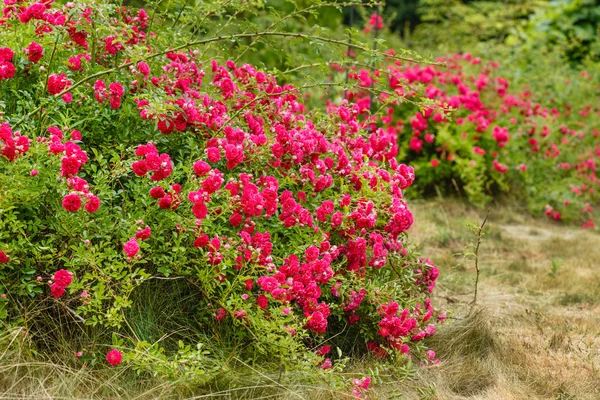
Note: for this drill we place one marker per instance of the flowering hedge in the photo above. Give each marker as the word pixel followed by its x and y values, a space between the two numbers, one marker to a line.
pixel 128 163
pixel 485 136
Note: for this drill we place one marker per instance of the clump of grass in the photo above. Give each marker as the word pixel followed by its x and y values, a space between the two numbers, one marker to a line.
pixel 471 337
pixel 570 299
pixel 167 317
pixel 521 265
pixel 511 278
pixel 27 374
pixel 40 361
pixel 464 348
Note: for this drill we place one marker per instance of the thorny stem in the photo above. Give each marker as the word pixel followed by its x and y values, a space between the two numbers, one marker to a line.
pixel 479 237
pixel 58 37
pixel 154 15
pixel 217 39
pixel 311 37
pixel 79 317
pixel 373 62
pixel 329 63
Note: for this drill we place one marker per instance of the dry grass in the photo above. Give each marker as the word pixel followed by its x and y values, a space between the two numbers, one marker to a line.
pixel 535 333
pixel 27 375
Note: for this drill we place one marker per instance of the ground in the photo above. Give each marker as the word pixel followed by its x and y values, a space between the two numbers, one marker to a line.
pixel 535 329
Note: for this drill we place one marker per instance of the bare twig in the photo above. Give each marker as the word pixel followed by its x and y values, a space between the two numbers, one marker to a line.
pixel 79 317
pixel 479 234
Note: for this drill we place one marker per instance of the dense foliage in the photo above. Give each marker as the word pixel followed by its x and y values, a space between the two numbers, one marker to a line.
pixel 569 26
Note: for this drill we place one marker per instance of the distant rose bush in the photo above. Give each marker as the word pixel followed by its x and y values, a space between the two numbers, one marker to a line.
pixel 485 137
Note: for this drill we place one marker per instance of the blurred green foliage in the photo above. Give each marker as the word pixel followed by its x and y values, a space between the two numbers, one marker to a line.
pixel 462 24
pixel 523 25
pixel 572 25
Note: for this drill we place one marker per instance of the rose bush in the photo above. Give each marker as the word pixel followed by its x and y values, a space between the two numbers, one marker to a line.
pixel 126 163
pixel 485 137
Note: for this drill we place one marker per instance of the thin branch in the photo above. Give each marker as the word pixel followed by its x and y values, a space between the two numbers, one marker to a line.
pixel 58 37
pixel 479 236
pixel 309 37
pixel 217 39
pixel 79 317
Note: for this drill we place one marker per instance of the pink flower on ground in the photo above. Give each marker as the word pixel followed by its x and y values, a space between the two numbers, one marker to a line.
pixel 326 364
pixel 430 355
pixel 114 357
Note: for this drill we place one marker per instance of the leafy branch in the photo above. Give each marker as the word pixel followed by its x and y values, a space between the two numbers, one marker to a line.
pixel 222 38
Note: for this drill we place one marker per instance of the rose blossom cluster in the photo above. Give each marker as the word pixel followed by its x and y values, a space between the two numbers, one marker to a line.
pixel 12 144
pixel 113 95
pixel 62 280
pixel 4 257
pixel 360 387
pixel 39 12
pixel 7 68
pixel 159 165
pixel 34 52
pixel 73 158
pixel 132 247
pixel 57 83
pixel 293 219
pixel 114 357
pixel 167 199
